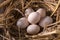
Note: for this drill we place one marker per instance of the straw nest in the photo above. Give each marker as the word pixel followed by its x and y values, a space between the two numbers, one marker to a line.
pixel 14 9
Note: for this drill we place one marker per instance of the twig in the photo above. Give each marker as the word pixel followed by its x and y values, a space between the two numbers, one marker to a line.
pixel 58 13
pixel 54 23
pixel 50 6
pixel 48 33
pixel 52 3
pixel 47 4
pixel 13 38
pixel 22 2
pixel 9 23
pixel 2 24
pixel 19 33
pixel 27 4
pixel 9 17
pixel 18 11
pixel 56 8
pixel 4 37
pixel 57 18
pixel 6 18
pixel 8 10
pixel 8 35
pixel 42 35
pixel 4 3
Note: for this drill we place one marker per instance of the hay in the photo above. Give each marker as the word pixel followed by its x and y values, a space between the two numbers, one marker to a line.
pixel 14 9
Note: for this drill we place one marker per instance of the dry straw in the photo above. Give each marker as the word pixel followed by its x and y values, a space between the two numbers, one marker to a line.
pixel 10 16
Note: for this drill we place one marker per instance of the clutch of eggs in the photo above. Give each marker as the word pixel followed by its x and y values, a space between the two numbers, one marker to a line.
pixel 32 18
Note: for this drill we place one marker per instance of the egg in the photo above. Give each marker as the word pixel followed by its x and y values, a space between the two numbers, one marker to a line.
pixel 22 23
pixel 34 17
pixel 46 21
pixel 33 29
pixel 28 11
pixel 42 12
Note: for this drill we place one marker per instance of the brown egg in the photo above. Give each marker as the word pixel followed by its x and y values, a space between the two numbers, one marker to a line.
pixel 46 21
pixel 33 29
pixel 28 11
pixel 42 12
pixel 22 23
pixel 34 17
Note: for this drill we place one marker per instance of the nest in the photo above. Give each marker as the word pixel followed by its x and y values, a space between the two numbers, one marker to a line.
pixel 14 9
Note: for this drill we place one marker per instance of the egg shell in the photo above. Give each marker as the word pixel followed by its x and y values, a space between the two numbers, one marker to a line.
pixel 46 21
pixel 34 18
pixel 42 12
pixel 33 29
pixel 28 11
pixel 22 23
